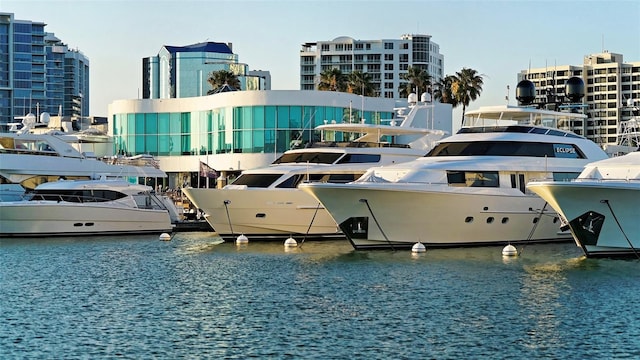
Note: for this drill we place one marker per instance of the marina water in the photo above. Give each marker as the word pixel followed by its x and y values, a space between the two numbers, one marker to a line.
pixel 195 297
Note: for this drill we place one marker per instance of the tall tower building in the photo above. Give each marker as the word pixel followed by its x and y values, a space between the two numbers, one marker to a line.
pixel 385 60
pixel 182 71
pixel 612 92
pixel 38 73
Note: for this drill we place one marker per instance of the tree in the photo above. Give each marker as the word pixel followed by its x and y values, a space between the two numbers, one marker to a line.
pixel 443 93
pixel 418 81
pixel 219 78
pixel 466 87
pixel 332 80
pixel 359 83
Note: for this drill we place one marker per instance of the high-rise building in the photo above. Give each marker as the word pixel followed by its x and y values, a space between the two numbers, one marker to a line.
pixel 38 73
pixel 385 60
pixel 612 92
pixel 182 71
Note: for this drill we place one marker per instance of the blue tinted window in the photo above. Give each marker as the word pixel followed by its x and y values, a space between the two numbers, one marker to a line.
pixel 283 117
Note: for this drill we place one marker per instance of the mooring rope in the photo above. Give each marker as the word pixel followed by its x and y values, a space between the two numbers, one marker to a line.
pixel 620 227
pixel 227 202
pixel 377 223
pixel 311 223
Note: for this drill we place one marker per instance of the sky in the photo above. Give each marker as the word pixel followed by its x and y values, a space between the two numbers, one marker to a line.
pixel 496 38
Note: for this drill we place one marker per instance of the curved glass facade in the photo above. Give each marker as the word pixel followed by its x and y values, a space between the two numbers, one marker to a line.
pixel 243 129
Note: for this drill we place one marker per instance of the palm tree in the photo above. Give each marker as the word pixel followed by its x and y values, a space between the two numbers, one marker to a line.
pixel 443 92
pixel 219 78
pixel 359 83
pixel 466 87
pixel 417 79
pixel 332 80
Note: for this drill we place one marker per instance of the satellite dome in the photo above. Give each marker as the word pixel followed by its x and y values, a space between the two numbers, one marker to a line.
pixel 45 117
pixel 413 98
pixel 525 92
pixel 425 97
pixel 574 89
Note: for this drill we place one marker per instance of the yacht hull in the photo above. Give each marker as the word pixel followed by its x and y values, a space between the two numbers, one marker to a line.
pixel 381 217
pixel 46 218
pixel 602 216
pixel 264 214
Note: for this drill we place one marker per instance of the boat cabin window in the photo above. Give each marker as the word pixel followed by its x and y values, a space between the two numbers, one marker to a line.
pixel 359 158
pixel 39 147
pixel 310 157
pixel 77 196
pixel 256 180
pixel 506 148
pixel 473 178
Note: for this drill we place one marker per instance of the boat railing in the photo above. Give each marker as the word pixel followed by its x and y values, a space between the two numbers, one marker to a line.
pixel 355 144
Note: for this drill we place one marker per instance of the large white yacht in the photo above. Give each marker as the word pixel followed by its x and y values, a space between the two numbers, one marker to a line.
pixel 28 159
pixel 86 207
pixel 600 206
pixel 470 189
pixel 265 204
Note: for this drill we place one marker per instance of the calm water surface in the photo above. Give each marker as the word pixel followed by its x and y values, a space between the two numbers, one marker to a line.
pixel 195 297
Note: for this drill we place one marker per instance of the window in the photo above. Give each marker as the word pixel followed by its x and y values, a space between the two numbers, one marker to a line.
pixel 506 148
pixel 256 180
pixel 388 46
pixel 473 178
pixel 359 158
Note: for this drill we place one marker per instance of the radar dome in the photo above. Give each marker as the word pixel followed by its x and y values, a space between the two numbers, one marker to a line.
pixel 574 89
pixel 45 117
pixel 525 92
pixel 425 97
pixel 413 98
pixel 29 119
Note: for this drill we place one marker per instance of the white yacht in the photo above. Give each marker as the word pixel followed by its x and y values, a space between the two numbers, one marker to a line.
pixel 600 206
pixel 27 160
pixel 470 189
pixel 85 207
pixel 265 204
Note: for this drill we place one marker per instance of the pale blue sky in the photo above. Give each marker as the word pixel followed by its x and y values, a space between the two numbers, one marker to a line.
pixel 497 38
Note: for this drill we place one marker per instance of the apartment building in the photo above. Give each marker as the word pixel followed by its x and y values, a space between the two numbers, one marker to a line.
pixel 39 73
pixel 386 60
pixel 612 92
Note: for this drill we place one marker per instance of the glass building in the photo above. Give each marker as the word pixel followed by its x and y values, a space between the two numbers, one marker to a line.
pixel 38 73
pixel 182 71
pixel 232 131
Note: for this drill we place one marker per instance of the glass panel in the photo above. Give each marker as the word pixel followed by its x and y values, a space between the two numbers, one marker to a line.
pixel 295 117
pixel 258 141
pixel 270 117
pixel 140 148
pixel 151 124
pixel 246 118
pixel 283 117
pixel 152 144
pixel 174 144
pixel 163 123
pixel 258 117
pixel 164 147
pixel 174 125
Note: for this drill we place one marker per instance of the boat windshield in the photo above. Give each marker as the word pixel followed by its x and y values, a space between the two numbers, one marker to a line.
pixel 311 157
pixel 256 180
pixel 506 148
